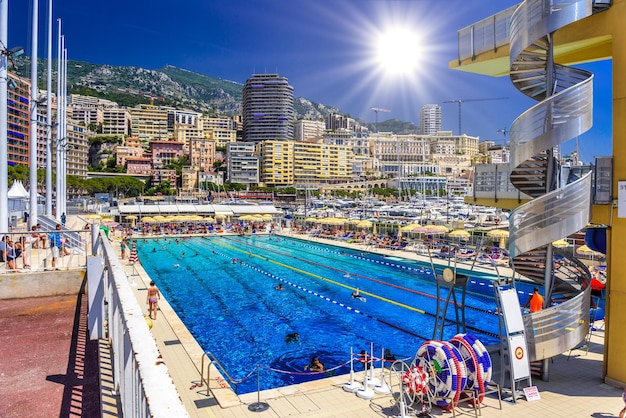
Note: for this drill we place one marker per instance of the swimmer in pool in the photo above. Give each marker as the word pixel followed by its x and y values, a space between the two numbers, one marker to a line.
pixel 292 337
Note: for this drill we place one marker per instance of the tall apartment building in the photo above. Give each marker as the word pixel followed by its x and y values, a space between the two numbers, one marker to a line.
pixel 243 163
pixel 202 155
pixel 430 119
pixel 307 129
pixel 276 163
pixel 164 152
pixel 315 163
pixel 18 121
pixel 337 121
pixel 115 121
pixel 404 154
pixel 268 109
pixel 221 129
pixel 148 123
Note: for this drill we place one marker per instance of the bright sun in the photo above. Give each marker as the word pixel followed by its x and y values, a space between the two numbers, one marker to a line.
pixel 398 51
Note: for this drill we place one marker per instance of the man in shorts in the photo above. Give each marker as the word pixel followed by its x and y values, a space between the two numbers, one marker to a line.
pixel 55 244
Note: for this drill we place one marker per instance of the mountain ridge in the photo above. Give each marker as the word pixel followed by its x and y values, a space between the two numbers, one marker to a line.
pixel 177 87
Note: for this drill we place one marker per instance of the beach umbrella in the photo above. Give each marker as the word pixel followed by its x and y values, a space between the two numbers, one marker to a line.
pixel 364 224
pixel 159 218
pixel 434 229
pixel 583 249
pixel 148 219
pixel 311 220
pixel 267 217
pixel 561 243
pixel 208 219
pixel 410 228
pixel 92 216
pixel 460 233
pixel 246 217
pixel 498 233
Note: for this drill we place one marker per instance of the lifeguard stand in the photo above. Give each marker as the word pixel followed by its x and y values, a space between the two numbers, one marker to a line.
pixel 448 283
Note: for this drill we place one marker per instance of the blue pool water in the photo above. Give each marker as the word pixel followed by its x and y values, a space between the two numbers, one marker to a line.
pixel 223 289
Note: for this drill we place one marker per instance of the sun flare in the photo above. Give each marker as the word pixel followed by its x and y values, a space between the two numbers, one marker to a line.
pixel 398 51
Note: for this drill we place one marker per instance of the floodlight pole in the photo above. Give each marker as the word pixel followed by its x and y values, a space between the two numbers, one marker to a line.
pixel 34 92
pixel 59 133
pixel 4 172
pixel 49 117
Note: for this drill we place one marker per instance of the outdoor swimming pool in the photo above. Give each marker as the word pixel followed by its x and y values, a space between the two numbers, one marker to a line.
pixel 223 289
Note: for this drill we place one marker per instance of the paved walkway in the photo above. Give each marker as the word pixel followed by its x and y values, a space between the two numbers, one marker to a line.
pixel 48 367
pixel 575 388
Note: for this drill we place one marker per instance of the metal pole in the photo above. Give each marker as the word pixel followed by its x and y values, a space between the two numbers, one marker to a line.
pixel 34 92
pixel 4 172
pixel 57 167
pixel 49 116
pixel 258 406
pixel 65 142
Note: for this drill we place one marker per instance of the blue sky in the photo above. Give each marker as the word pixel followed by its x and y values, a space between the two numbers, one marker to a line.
pixel 327 49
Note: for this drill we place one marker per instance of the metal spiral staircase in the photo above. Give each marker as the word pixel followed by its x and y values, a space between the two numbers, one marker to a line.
pixel 564 111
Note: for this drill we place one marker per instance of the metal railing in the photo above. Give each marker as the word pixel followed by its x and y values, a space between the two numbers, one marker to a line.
pixel 33 251
pixel 140 376
pixel 488 34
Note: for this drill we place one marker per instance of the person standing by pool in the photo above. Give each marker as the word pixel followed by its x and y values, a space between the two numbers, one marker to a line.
pixel 123 247
pixel 535 301
pixel 152 299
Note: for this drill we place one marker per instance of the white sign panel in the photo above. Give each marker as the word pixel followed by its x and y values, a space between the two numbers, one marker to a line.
pixel 512 311
pixel 532 393
pixel 519 357
pixel 621 199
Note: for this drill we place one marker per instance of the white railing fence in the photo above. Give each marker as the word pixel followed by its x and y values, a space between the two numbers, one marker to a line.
pixel 140 376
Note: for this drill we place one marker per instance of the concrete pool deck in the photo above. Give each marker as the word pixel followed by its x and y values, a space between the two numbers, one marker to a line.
pixel 575 388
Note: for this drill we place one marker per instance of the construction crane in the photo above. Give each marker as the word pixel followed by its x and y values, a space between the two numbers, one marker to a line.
pixel 377 110
pixel 461 101
pixel 503 131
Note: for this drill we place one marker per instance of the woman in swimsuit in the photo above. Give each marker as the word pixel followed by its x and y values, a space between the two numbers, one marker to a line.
pixel 152 299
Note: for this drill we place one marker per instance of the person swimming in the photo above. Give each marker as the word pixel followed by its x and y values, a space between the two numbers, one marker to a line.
pixel 357 295
pixel 279 287
pixel 176 265
pixel 315 365
pixel 292 337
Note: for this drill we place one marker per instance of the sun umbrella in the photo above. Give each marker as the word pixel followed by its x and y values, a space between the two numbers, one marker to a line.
pixel 92 216
pixel 131 217
pixel 364 224
pixel 267 217
pixel 561 243
pixel 148 219
pixel 498 233
pixel 461 233
pixel 583 249
pixel 209 219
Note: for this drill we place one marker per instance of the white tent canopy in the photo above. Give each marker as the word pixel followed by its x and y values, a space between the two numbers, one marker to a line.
pixel 17 191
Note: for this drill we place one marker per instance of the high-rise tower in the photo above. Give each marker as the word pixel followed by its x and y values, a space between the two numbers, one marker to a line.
pixel 268 112
pixel 430 119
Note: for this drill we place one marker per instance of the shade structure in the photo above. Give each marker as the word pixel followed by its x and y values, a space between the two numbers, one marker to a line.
pixel 131 217
pixel 364 224
pixel 561 243
pixel 583 249
pixel 498 233
pixel 209 219
pixel 433 229
pixel 311 219
pixel 410 228
pixel 267 217
pixel 92 216
pixel 460 233
pixel 148 219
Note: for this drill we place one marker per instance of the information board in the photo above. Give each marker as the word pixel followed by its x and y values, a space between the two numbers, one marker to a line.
pixel 519 357
pixel 511 311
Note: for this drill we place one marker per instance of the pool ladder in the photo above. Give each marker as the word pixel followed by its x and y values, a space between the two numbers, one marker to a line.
pixel 212 360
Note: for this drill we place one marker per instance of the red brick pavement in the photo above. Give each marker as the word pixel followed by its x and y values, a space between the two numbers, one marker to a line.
pixel 48 367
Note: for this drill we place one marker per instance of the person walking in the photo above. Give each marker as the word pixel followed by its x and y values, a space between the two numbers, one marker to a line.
pixel 152 299
pixel 535 301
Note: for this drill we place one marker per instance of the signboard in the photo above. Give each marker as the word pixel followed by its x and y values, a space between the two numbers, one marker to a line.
pixel 621 199
pixel 520 367
pixel 512 311
pixel 532 393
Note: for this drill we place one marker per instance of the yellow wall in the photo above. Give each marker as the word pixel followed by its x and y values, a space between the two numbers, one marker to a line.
pixel 615 343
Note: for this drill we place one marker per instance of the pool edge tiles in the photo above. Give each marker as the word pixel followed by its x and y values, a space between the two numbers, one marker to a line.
pixel 169 327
